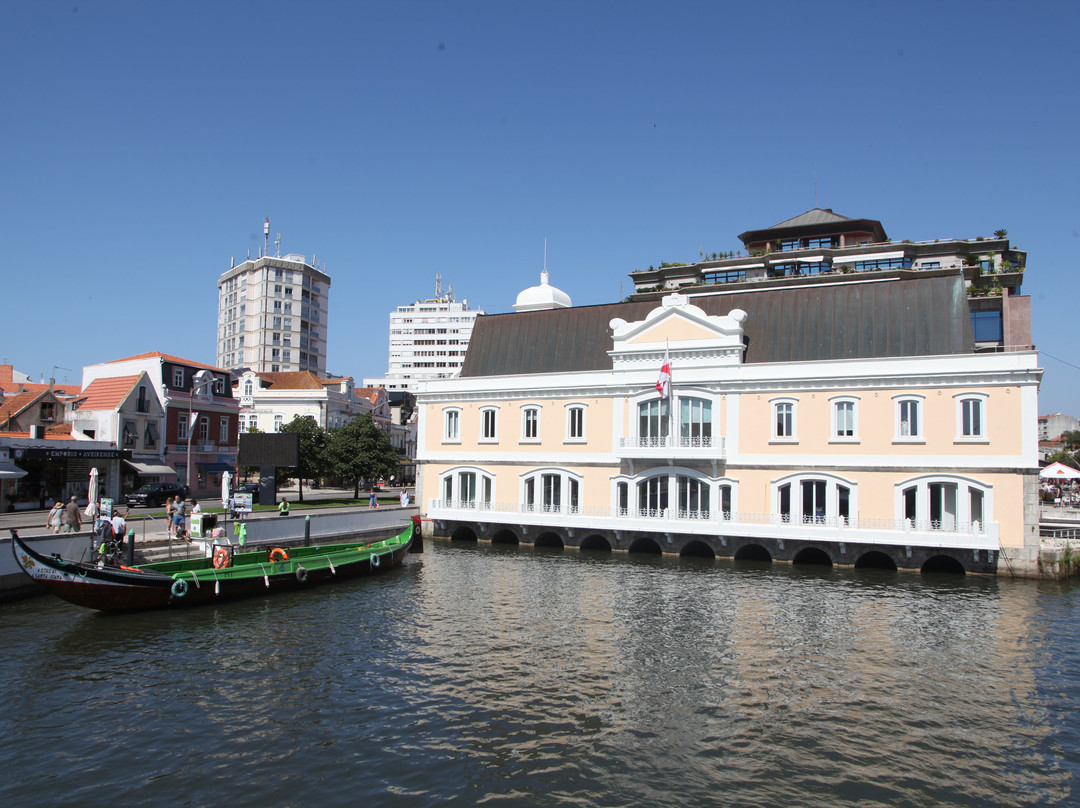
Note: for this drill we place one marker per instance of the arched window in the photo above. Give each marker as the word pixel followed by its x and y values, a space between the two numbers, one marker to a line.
pixel 468 488
pixel 814 499
pixel 946 502
pixel 551 491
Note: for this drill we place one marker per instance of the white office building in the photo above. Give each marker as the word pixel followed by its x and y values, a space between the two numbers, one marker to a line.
pixel 428 340
pixel 273 314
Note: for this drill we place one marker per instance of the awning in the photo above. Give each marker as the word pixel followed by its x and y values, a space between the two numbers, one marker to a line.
pixel 216 468
pixel 9 471
pixel 150 468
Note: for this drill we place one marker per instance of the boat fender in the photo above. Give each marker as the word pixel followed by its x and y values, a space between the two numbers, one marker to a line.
pixel 375 561
pixel 301 574
pixel 179 588
pixel 221 558
pixel 277 554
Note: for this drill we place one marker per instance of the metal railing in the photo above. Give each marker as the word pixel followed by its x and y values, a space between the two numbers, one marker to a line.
pixel 721 517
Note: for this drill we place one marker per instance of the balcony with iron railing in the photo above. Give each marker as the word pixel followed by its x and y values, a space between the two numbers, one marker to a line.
pixel 705 447
pixel 856 529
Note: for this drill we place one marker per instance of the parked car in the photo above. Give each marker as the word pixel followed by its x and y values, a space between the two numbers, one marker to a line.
pixel 154 495
pixel 250 488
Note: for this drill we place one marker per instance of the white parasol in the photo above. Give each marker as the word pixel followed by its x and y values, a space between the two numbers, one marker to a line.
pixel 1059 471
pixel 225 490
pixel 92 495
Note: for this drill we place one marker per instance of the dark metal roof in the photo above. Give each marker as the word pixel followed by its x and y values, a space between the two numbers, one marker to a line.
pixel 819 221
pixel 919 316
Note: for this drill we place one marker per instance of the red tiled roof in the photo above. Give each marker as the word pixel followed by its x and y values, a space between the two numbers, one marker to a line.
pixel 106 393
pixel 293 380
pixel 52 433
pixel 10 407
pixel 168 358
pixel 370 393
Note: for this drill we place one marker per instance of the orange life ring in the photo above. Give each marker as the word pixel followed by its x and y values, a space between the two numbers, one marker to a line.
pixel 277 554
pixel 221 558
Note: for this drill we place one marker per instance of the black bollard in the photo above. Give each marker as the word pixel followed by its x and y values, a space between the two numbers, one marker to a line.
pixel 131 547
pixel 307 530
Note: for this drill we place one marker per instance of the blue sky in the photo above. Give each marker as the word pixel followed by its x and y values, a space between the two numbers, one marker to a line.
pixel 144 143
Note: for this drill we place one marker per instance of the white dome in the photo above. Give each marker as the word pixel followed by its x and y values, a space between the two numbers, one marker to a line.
pixel 544 296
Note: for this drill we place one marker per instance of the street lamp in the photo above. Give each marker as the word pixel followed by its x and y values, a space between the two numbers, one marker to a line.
pixel 200 379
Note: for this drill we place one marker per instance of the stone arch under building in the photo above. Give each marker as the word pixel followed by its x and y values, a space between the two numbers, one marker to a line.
pixel 505 536
pixel 943 563
pixel 596 542
pixel 549 539
pixel 645 544
pixel 875 560
pixel 812 555
pixel 463 533
pixel 753 552
pixel 696 548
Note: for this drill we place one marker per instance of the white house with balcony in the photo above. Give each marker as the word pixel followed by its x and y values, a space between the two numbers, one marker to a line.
pixel 851 422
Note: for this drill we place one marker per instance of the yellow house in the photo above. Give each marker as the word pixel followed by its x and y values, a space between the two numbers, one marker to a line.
pixel 842 422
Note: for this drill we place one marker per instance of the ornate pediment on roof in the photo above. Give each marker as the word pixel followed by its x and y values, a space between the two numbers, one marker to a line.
pixel 684 330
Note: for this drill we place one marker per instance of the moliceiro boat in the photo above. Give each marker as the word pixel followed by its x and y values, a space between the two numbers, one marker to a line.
pixel 228 574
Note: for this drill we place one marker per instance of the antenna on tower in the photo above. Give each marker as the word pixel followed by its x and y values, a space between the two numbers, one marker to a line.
pixel 277 245
pixel 438 285
pixel 266 236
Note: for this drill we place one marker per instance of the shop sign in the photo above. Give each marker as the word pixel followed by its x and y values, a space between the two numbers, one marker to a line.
pixel 50 453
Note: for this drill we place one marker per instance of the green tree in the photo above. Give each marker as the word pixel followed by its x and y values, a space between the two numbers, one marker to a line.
pixel 362 451
pixel 315 458
pixel 1070 439
pixel 1064 458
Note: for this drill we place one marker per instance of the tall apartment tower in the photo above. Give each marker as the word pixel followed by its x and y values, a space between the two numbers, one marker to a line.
pixel 428 340
pixel 273 314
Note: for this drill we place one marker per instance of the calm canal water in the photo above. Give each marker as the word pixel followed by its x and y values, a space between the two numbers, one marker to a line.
pixel 514 677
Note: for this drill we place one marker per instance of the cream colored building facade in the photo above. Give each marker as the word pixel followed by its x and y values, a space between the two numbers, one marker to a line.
pixel 853 424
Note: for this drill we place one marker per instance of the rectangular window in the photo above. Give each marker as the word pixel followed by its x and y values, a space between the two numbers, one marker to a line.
pixel 488 425
pixel 724 276
pixel 467 489
pixel 279 422
pixel 784 420
pixel 223 431
pixel 971 418
pixel 178 377
pixel 204 429
pixel 575 427
pixel 453 425
pixel 182 427
pixel 845 419
pixel 551 485
pixel 909 419
pixel 987 326
pixel 653 422
pixel 695 422
pixel 530 428
pixel 813 501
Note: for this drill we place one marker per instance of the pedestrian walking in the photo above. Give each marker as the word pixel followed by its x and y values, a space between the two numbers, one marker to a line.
pixel 55 515
pixel 179 522
pixel 71 521
pixel 283 508
pixel 373 502
pixel 404 498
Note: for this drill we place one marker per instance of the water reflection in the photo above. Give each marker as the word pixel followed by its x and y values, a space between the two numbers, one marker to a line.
pixel 523 677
